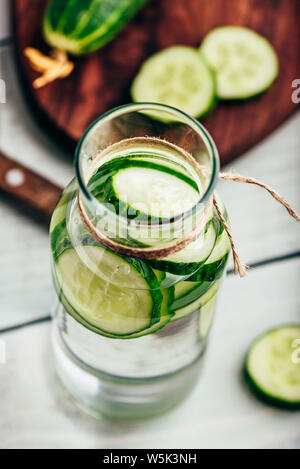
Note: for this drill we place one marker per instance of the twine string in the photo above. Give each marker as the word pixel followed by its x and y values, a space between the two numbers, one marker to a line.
pixel 239 267
pixel 249 180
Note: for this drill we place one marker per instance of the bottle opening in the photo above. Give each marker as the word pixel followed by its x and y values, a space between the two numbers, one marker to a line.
pixel 146 183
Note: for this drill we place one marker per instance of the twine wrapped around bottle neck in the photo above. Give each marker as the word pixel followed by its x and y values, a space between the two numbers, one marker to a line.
pixel 158 253
pixel 143 253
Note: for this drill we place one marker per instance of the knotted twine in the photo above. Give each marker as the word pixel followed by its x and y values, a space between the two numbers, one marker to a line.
pixel 158 253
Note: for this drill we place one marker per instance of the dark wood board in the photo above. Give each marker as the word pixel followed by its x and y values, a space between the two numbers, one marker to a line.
pixel 102 80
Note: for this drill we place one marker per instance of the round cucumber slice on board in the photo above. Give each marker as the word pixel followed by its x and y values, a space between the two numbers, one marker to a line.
pixel 273 365
pixel 179 77
pixel 102 304
pixel 245 63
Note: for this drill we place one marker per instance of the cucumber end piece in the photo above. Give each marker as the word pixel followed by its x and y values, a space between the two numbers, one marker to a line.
pixel 60 42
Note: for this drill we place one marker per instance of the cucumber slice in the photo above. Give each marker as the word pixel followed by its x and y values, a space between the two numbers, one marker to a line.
pixel 206 316
pixel 154 192
pixel 187 292
pixel 178 77
pixel 273 365
pixel 216 263
pixel 165 316
pixel 60 210
pixel 102 305
pixel 165 312
pixel 197 304
pixel 189 259
pixel 245 63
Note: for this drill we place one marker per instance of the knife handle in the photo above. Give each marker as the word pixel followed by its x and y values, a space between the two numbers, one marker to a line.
pixel 34 191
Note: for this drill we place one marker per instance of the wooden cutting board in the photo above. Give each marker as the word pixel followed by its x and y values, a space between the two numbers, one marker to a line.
pixel 102 80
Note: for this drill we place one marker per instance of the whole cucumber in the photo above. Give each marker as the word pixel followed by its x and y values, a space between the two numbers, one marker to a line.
pixel 82 26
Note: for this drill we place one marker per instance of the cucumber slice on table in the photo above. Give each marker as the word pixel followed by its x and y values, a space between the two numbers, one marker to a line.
pixel 273 365
pixel 197 304
pixel 178 77
pixel 245 63
pixel 104 306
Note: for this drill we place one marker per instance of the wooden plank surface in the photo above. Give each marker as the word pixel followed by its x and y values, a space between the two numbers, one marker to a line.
pixel 102 80
pixel 220 413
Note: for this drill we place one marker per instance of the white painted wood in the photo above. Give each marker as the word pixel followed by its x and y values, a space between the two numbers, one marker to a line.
pixel 25 282
pixel 21 137
pixel 5 29
pixel 221 413
pixel 262 228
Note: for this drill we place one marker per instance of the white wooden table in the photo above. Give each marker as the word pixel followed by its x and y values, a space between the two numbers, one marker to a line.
pixel 35 411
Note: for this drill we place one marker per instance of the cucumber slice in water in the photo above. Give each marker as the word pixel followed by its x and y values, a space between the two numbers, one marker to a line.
pixel 214 267
pixel 102 305
pixel 158 193
pixel 178 77
pixel 187 292
pixel 273 365
pixel 165 312
pixel 245 63
pixel 197 304
pixel 206 316
pixel 189 259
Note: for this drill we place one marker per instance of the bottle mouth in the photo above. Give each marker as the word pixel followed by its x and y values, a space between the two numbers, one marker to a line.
pixel 147 120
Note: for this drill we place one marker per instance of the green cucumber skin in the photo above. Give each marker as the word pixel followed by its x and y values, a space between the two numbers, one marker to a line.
pixel 176 268
pixel 179 316
pixel 181 268
pixel 263 396
pixel 256 389
pixel 83 26
pixel 210 272
pixel 191 295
